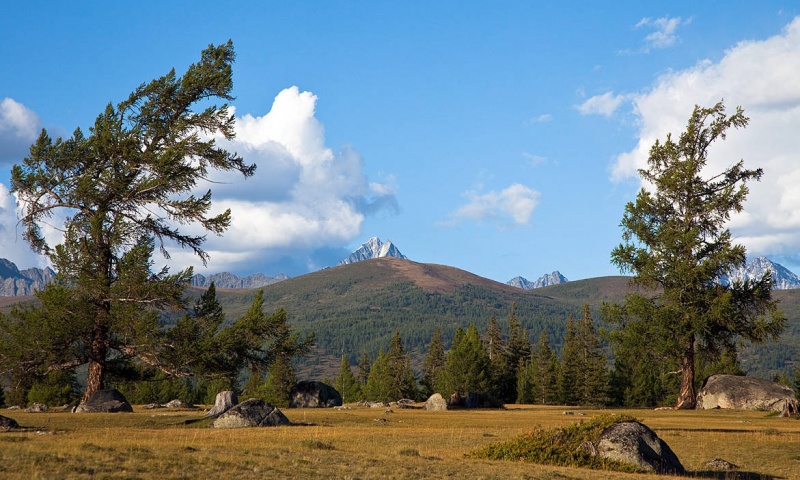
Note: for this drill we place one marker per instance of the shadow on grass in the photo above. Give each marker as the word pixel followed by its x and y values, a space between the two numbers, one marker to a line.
pixel 731 475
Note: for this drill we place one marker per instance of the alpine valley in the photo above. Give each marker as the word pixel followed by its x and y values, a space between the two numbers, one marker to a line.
pixel 356 307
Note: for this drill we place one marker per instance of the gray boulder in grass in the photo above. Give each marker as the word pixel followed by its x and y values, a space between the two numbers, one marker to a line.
pixel 251 413
pixel 105 401
pixel 746 393
pixel 636 444
pixel 7 424
pixel 313 394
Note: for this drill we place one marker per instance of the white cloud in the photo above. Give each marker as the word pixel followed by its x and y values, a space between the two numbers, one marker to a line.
pixel 664 34
pixel 304 196
pixel 19 127
pixel 605 104
pixel 534 159
pixel 761 77
pixel 543 118
pixel 512 205
pixel 12 246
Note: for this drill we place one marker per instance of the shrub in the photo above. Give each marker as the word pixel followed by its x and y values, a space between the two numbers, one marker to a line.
pixel 561 447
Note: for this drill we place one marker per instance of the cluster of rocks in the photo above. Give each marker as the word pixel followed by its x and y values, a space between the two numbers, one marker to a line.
pixel 471 400
pixel 228 413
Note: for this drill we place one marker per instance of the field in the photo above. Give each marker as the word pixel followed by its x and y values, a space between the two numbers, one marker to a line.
pixel 364 443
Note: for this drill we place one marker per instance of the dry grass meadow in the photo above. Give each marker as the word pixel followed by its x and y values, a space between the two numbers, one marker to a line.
pixel 364 443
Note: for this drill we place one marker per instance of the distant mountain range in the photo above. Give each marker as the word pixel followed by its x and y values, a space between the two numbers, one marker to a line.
pixel 15 282
pixel 373 248
pixel 229 280
pixel 545 280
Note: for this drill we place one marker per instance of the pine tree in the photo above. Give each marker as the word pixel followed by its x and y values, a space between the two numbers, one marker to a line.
pixel 501 374
pixel 434 364
pixel 126 185
pixel 528 389
pixel 378 387
pixel 346 383
pixel 402 381
pixel 569 378
pixel 677 246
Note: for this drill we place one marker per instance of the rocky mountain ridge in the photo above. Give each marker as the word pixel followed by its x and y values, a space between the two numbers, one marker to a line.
pixel 545 280
pixel 15 282
pixel 229 280
pixel 756 268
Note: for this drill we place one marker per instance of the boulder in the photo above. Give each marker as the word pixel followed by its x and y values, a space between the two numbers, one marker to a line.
pixel 37 408
pixel 635 444
pixel 178 404
pixel 7 424
pixel 251 413
pixel 435 403
pixel 745 393
pixel 105 401
pixel 225 401
pixel 312 394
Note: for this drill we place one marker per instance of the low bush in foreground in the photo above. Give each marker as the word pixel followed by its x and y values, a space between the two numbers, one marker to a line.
pixel 559 446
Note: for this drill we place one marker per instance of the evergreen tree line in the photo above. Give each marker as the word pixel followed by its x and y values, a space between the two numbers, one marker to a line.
pixel 503 367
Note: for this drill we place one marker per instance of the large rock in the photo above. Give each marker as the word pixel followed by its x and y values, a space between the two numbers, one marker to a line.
pixel 251 413
pixel 311 394
pixel 635 444
pixel 225 400
pixel 37 408
pixel 435 403
pixel 105 401
pixel 745 393
pixel 7 424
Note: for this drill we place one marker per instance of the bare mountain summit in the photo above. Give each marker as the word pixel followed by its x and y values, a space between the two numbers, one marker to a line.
pixel 373 248
pixel 544 281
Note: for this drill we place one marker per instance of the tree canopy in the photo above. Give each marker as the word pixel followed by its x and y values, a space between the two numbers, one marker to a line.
pixel 677 246
pixel 121 191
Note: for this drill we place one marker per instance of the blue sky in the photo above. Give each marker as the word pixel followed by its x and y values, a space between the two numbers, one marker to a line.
pixel 501 139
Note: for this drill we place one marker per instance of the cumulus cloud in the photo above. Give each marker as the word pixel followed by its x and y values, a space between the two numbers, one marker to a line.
pixel 19 127
pixel 605 104
pixel 664 28
pixel 304 195
pixel 761 77
pixel 513 205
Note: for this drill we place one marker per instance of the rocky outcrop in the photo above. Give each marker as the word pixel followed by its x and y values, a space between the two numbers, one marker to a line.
pixel 745 393
pixel 229 280
pixel 224 401
pixel 312 394
pixel 435 403
pixel 636 444
pixel 251 413
pixel 14 282
pixel 105 401
pixel 177 403
pixel 37 408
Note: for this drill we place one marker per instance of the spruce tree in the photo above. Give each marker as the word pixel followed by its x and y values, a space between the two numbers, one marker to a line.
pixel 434 364
pixel 279 382
pixel 501 374
pixel 402 381
pixel 594 381
pixel 528 389
pixel 364 365
pixel 547 362
pixel 467 364
pixel 569 378
pixel 379 384
pixel 346 383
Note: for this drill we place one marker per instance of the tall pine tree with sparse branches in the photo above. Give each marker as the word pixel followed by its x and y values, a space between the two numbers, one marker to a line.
pixel 677 246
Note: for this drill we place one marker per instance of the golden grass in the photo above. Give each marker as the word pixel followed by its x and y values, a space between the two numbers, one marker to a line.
pixel 364 443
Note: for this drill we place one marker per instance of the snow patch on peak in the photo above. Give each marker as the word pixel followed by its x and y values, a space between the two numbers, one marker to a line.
pixel 374 248
pixel 755 270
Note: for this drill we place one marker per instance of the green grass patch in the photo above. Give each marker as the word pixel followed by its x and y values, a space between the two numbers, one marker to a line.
pixel 559 446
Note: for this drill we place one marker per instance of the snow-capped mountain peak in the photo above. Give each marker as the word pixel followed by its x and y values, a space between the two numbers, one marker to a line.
pixel 373 248
pixel 544 281
pixel 756 268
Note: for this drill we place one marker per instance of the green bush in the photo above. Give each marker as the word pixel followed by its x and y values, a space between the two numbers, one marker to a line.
pixel 561 447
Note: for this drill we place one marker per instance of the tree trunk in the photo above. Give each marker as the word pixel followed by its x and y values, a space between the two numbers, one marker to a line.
pixel 97 364
pixel 687 398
